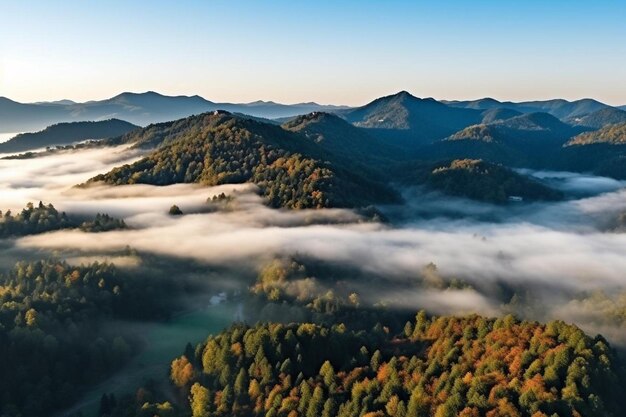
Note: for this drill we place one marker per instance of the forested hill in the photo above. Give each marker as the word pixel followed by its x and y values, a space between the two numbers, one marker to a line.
pixel 614 134
pixel 220 148
pixel 442 367
pixel 533 126
pixel 45 218
pixel 341 138
pixel 601 118
pixel 410 121
pixel 480 180
pixel 66 133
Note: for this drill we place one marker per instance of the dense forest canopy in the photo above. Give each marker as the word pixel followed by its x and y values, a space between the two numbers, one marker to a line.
pixel 45 218
pixel 481 180
pixel 54 341
pixel 439 366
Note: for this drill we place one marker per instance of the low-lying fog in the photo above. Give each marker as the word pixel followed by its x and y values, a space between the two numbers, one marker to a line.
pixel 562 253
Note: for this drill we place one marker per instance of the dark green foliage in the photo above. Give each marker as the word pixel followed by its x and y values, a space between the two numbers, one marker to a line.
pixel 484 181
pixel 102 223
pixel 53 341
pixel 45 218
pixel 175 211
pixel 49 343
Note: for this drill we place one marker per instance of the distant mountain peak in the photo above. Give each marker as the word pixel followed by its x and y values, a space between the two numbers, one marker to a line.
pixel 403 95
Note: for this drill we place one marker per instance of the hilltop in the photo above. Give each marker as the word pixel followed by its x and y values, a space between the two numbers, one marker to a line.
pixel 614 134
pixel 600 118
pixel 409 120
pixel 220 148
pixel 483 181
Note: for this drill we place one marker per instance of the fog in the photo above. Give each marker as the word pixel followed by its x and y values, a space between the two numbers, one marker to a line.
pixel 560 255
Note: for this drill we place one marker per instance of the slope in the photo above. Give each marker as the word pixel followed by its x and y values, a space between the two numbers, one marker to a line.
pixel 138 108
pixel 530 140
pixel 344 140
pixel 559 108
pixel 65 134
pixel 410 121
pixel 479 180
pixel 220 148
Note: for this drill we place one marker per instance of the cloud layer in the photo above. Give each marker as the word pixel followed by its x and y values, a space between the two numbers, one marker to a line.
pixel 559 250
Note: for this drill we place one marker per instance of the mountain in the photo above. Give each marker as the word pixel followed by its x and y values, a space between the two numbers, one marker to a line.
pixel 19 117
pixel 600 118
pixel 559 108
pixel 65 134
pixel 220 148
pixel 480 180
pixel 56 102
pixel 499 113
pixel 533 126
pixel 614 134
pixel 138 108
pixel 602 152
pixel 411 121
pixel 339 137
pixel 529 140
pixel 622 108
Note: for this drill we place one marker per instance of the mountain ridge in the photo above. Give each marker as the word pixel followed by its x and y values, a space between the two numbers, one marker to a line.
pixel 138 108
pixel 561 108
pixel 222 148
pixel 66 133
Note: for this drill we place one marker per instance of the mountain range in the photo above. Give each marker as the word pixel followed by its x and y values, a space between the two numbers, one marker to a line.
pixel 137 108
pixel 352 157
pixel 433 119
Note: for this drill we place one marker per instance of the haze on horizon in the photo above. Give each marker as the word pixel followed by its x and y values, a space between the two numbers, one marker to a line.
pixel 288 52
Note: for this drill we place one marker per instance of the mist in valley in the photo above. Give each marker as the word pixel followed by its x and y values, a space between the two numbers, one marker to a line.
pixel 541 261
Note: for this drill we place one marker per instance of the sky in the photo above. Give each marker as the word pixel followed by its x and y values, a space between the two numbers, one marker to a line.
pixel 347 52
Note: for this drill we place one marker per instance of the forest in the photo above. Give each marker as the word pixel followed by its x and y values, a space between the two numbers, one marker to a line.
pixel 220 148
pixel 434 366
pixel 45 218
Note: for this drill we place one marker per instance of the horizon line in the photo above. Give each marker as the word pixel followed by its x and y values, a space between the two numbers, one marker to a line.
pixel 270 101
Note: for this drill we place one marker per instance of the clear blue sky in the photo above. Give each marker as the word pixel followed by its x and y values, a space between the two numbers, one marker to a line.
pixel 346 52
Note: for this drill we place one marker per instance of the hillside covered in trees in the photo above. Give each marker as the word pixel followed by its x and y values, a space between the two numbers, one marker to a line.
pixel 479 180
pixel 439 366
pixel 67 133
pixel 601 118
pixel 220 148
pixel 45 218
pixel 533 126
pixel 53 338
pixel 614 134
